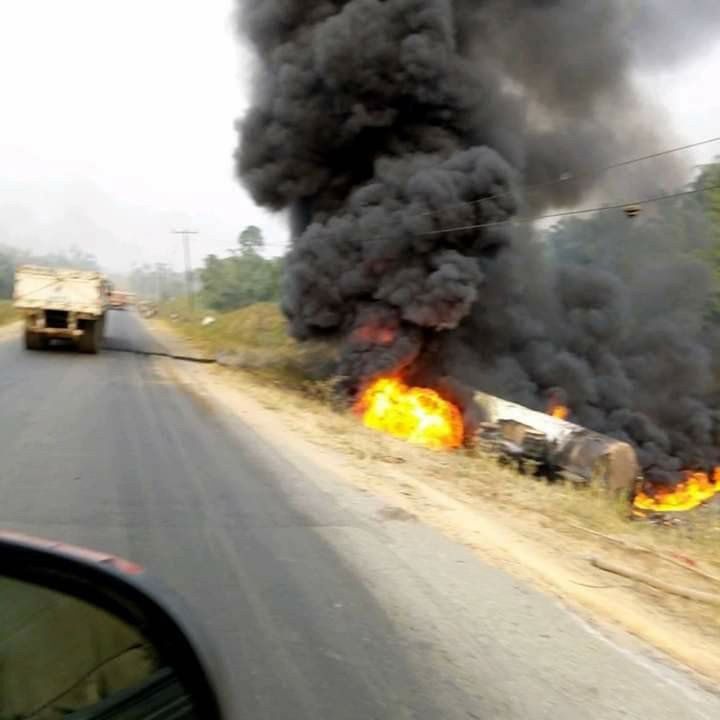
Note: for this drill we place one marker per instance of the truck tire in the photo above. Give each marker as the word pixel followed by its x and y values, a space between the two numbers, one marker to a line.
pixel 89 341
pixel 35 340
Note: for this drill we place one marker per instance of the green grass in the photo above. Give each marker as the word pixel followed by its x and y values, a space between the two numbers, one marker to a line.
pixel 260 325
pixel 8 313
pixel 256 339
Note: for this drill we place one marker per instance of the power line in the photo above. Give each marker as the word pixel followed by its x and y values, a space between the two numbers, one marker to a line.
pixel 569 213
pixel 567 177
pixel 566 213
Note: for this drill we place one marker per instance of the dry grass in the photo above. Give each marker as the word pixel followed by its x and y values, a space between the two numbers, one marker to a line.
pixel 550 521
pixel 8 313
pixel 534 529
pixel 569 507
pixel 257 326
pixel 255 339
pixel 553 514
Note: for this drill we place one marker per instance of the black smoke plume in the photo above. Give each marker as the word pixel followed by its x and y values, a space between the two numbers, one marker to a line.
pixel 403 135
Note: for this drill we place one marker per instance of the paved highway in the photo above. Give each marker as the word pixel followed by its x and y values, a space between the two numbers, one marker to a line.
pixel 322 604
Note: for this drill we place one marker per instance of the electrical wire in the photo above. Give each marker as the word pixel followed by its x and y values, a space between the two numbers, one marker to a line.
pixel 549 183
pixel 568 177
pixel 569 213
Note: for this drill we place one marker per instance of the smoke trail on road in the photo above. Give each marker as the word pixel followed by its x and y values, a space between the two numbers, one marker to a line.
pixel 378 123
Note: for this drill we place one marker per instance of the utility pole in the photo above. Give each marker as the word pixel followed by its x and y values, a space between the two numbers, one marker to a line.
pixel 188 266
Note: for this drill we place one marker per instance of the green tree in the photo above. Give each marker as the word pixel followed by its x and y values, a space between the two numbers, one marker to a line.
pixel 243 279
pixel 708 199
pixel 664 233
pixel 251 240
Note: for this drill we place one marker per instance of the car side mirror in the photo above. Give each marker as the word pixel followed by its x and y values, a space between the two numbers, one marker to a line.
pixel 86 635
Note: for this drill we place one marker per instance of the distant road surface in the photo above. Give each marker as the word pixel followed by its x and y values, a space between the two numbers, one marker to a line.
pixel 322 605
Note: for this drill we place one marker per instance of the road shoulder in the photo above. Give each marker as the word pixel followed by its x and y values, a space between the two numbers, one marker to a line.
pixel 10 330
pixel 431 490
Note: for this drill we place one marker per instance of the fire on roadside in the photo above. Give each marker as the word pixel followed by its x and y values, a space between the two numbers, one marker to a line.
pixel 418 415
pixel 695 489
pixel 561 412
pixel 422 416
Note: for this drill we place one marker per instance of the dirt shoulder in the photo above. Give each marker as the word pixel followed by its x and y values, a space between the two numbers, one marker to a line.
pixel 8 315
pixel 9 328
pixel 543 534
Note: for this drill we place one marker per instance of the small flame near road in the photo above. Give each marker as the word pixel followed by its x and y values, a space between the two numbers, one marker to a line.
pixel 694 490
pixel 418 415
pixel 561 412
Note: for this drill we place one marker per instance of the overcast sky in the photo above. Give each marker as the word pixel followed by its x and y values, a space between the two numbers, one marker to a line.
pixel 116 126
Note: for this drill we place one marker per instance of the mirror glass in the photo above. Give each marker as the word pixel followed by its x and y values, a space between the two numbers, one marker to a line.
pixel 63 658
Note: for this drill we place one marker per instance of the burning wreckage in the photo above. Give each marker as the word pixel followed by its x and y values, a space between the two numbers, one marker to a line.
pixel 548 443
pixel 403 139
pixel 556 447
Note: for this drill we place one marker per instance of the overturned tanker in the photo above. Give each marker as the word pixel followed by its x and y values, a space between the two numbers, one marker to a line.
pixel 557 446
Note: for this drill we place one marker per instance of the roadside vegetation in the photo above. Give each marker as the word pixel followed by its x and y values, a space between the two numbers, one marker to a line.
pixel 7 312
pixel 552 528
pixel 236 318
pixel 543 532
pixel 255 339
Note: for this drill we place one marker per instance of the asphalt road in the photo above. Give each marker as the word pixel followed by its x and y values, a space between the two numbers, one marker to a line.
pixel 322 604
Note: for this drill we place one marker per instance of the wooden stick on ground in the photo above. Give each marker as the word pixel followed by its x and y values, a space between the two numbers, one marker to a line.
pixel 687 593
pixel 649 551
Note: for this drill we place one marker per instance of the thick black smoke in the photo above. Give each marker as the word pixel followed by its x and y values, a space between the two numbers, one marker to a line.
pixel 392 129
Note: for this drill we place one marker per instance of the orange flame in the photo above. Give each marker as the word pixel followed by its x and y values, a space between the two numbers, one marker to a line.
pixel 561 412
pixel 416 414
pixel 695 489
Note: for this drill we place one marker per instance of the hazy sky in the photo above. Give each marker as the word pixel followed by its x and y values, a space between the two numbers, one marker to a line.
pixel 116 126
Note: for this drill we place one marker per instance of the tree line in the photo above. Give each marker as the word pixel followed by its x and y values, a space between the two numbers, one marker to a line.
pixel 227 283
pixel 244 278
pixel 669 233
pixel 682 228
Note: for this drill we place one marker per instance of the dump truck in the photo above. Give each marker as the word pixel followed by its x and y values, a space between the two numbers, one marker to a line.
pixel 62 303
pixel 121 300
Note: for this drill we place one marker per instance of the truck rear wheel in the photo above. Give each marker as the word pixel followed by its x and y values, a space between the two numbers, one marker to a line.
pixel 35 340
pixel 89 341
